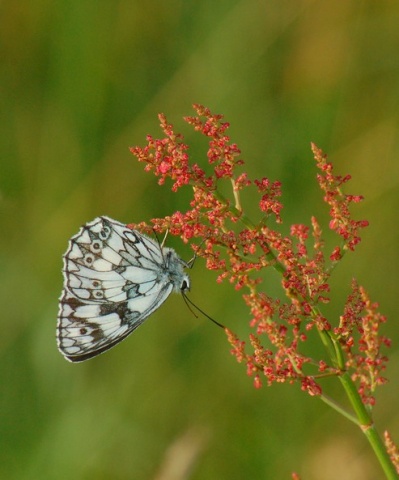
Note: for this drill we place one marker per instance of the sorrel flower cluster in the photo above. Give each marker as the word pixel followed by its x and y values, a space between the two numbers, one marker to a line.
pixel 240 251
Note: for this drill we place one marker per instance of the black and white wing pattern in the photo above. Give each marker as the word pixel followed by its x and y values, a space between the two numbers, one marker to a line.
pixel 114 278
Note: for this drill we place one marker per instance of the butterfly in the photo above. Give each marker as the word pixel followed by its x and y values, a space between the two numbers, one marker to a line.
pixel 114 279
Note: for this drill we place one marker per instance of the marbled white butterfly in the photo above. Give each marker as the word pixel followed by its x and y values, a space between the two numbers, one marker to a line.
pixel 114 278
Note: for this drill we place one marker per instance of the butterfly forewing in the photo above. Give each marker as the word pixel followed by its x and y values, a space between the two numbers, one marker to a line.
pixel 114 278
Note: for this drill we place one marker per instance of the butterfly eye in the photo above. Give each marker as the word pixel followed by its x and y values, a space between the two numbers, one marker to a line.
pixel 96 246
pixel 99 294
pixel 105 233
pixel 184 285
pixel 95 283
pixel 89 259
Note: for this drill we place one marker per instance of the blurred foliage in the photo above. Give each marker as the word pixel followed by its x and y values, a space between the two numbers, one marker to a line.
pixel 80 82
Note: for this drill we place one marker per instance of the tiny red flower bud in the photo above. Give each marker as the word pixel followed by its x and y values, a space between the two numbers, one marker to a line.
pixel 257 382
pixel 336 255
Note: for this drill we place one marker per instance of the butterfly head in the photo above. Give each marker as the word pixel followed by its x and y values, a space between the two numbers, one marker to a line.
pixel 175 269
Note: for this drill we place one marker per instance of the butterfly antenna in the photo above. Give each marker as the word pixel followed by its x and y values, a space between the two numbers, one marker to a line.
pixel 190 304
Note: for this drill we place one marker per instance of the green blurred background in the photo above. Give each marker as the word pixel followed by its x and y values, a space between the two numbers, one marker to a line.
pixel 81 81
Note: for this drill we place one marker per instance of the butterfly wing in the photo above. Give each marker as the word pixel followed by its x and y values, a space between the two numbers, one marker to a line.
pixel 113 280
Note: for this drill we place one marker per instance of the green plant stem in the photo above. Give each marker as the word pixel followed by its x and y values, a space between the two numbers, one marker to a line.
pixel 333 404
pixel 366 424
pixel 329 344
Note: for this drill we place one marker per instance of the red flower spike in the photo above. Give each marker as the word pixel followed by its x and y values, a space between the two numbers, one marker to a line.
pixel 241 255
pixel 364 358
pixel 341 220
pixel 271 192
pixel 392 449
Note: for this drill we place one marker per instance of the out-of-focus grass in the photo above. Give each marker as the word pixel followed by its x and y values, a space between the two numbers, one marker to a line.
pixel 81 81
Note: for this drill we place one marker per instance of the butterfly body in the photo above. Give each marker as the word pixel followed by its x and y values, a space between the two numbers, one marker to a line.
pixel 114 278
